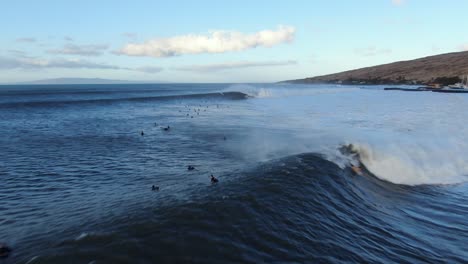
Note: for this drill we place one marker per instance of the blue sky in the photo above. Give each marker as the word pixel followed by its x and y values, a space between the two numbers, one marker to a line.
pixel 220 41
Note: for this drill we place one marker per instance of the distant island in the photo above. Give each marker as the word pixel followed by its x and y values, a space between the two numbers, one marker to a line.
pixel 444 69
pixel 83 81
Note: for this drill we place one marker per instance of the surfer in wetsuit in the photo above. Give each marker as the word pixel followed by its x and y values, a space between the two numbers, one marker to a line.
pixel 4 251
pixel 357 169
pixel 213 179
pixel 190 167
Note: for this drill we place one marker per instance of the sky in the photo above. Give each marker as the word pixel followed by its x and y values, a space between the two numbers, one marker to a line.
pixel 220 41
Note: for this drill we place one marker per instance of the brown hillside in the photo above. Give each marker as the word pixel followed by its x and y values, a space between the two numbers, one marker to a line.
pixel 421 71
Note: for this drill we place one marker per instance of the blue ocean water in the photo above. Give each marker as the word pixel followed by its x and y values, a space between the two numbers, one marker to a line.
pixel 76 174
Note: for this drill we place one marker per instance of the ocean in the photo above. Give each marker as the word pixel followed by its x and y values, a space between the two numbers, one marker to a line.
pixel 78 162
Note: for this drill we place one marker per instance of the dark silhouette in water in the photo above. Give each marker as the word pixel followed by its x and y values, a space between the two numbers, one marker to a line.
pixel 155 188
pixel 4 251
pixel 213 179
pixel 142 133
pixel 190 167
pixel 224 138
pixel 167 128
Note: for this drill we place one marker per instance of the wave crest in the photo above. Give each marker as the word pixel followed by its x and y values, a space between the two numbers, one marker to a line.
pixel 283 90
pixel 411 165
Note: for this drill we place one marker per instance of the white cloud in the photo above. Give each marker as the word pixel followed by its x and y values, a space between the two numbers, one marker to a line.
pixel 27 39
pixel 33 63
pixel 17 53
pixel 214 42
pixel 233 65
pixel 398 2
pixel 372 51
pixel 81 50
pixel 149 69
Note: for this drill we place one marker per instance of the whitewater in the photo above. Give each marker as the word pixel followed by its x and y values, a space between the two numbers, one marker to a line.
pixel 403 138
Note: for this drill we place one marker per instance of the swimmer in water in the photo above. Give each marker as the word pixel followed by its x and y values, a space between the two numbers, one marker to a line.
pixel 213 179
pixel 4 251
pixel 155 188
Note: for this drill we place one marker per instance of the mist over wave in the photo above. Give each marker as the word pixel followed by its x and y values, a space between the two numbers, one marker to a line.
pixel 415 163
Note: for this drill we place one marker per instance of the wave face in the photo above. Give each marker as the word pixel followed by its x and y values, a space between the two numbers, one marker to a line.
pixel 77 174
pixel 301 208
pixel 72 95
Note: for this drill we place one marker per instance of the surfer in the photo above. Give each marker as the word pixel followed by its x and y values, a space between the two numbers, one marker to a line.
pixel 167 128
pixel 190 167
pixel 142 133
pixel 4 250
pixel 356 169
pixel 213 179
pixel 155 188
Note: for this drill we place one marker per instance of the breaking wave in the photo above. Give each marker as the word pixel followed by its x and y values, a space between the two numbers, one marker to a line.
pixel 413 165
pixel 284 90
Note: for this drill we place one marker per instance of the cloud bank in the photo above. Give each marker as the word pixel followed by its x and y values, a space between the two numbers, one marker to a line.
pixel 214 42
pixel 80 50
pixel 233 65
pixel 33 63
pixel 27 40
pixel 149 69
pixel 38 63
